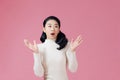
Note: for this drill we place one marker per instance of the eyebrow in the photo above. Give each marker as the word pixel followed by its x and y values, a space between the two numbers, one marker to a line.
pixel 56 24
pixel 51 24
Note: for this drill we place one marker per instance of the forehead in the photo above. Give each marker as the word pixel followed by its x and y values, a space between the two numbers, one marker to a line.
pixel 50 22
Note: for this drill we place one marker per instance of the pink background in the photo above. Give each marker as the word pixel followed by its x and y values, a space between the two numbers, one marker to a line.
pixel 98 21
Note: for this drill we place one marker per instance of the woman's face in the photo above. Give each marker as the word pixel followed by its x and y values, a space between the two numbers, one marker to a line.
pixel 51 29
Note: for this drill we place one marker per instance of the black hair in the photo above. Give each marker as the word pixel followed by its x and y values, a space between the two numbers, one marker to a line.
pixel 61 38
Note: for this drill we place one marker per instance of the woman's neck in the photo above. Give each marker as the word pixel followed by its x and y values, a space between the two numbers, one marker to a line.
pixel 51 39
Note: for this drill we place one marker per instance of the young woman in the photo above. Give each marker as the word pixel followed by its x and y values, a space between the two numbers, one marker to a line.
pixel 55 53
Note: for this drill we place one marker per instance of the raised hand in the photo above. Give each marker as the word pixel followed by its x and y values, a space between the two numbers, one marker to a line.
pixel 32 47
pixel 75 43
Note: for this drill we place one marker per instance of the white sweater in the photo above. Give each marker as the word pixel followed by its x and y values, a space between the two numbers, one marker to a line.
pixel 51 63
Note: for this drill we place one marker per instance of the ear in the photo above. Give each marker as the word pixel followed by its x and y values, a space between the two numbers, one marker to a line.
pixel 44 30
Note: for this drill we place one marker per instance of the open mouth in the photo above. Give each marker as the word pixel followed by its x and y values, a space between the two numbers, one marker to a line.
pixel 52 33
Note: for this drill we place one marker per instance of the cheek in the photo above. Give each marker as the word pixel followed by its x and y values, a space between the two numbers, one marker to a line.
pixel 57 31
pixel 47 30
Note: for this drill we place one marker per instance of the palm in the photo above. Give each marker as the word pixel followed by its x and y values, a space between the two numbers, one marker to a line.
pixel 32 47
pixel 74 44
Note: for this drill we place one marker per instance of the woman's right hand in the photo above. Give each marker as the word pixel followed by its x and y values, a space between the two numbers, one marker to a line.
pixel 32 47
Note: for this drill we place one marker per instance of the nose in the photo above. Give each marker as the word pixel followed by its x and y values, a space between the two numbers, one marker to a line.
pixel 52 28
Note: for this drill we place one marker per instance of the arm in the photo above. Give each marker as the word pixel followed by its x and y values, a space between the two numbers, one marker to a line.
pixel 38 57
pixel 71 60
pixel 71 54
pixel 38 67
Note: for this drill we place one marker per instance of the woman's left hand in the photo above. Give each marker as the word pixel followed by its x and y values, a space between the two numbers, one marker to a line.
pixel 75 43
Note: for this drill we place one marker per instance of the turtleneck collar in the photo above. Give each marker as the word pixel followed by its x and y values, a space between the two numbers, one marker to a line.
pixel 50 40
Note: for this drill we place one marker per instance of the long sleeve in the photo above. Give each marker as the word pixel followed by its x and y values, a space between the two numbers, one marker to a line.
pixel 71 60
pixel 38 58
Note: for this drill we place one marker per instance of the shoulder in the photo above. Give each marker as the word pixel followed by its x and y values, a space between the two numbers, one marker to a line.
pixel 40 44
pixel 67 45
pixel 41 47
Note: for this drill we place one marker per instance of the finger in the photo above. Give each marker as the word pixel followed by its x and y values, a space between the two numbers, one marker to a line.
pixel 80 42
pixel 30 46
pixel 79 38
pixel 34 42
pixel 71 41
pixel 26 42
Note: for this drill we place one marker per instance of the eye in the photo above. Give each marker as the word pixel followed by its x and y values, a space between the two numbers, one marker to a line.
pixel 49 26
pixel 56 26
